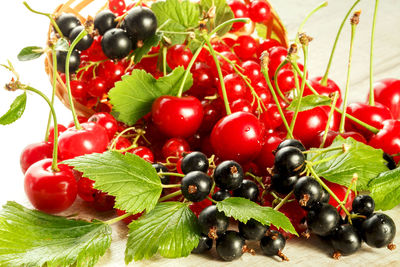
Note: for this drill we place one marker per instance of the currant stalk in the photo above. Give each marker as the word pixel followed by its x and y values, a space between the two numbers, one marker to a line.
pixel 283 201
pixel 164 57
pixel 169 196
pixel 328 122
pixel 371 99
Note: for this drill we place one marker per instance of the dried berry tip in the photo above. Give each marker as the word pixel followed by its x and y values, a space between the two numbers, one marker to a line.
pixel 355 19
pixel 391 246
pixel 282 256
pixel 305 39
pixel 336 255
pixel 213 233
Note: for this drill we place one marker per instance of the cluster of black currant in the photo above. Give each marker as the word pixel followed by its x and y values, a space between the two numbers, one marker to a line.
pixel 120 35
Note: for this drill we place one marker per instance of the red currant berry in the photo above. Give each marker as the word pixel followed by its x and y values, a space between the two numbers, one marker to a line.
pixel 175 147
pixel 96 87
pixel 239 10
pixel 245 47
pixel 267 45
pixel 143 152
pixel 179 55
pixel 235 87
pixel 252 70
pixel 79 91
pixel 117 6
pixel 259 11
pixel 276 57
pixel 111 72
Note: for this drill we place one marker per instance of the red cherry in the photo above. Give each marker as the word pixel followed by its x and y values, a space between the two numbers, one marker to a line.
pixel 80 120
pixel 387 92
pixel 197 207
pixel 340 192
pixel 117 6
pixel 266 157
pixel 259 11
pixel 239 10
pixel 245 47
pixel 271 118
pixel 61 128
pixel 35 152
pixel 327 90
pixel 143 152
pixel 202 75
pixel 86 190
pixel 92 138
pixel 388 138
pixel 175 147
pixel 50 191
pixel 213 110
pixel 107 121
pixel 267 45
pixel 276 57
pixel 179 55
pixel 177 116
pixel 238 136
pixel 286 80
pixel 332 135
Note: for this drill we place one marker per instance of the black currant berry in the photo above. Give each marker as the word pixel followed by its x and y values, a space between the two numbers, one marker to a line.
pixel 140 23
pixel 85 42
pixel 283 184
pixel 74 61
pixel 363 205
pixel 325 197
pixel 116 44
pixel 195 161
pixel 66 22
pixel 161 168
pixel 196 186
pixel 323 219
pixel 345 239
pixel 252 230
pixel 221 195
pixel 205 244
pixel 291 142
pixel 289 161
pixel 230 246
pixel 390 163
pixel 228 175
pixel 307 191
pixel 248 189
pixel 273 243
pixel 104 21
pixel 213 222
pixel 378 230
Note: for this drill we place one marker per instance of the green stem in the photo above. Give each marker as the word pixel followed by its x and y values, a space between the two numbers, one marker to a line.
pixel 171 185
pixel 67 78
pixel 323 150
pixel 54 84
pixel 174 194
pixel 324 159
pixel 278 89
pixel 164 55
pixel 324 79
pixel 212 200
pixel 171 174
pixel 371 58
pixel 119 218
pixel 283 201
pixel 300 30
pixel 231 21
pixel 330 116
pixel 346 92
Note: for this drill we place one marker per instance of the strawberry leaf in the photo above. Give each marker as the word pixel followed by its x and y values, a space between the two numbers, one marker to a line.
pixel 15 111
pixel 243 210
pixel 133 96
pixel 222 13
pixel 171 229
pixel 30 53
pixel 133 181
pixel 309 102
pixel 32 238
pixel 385 190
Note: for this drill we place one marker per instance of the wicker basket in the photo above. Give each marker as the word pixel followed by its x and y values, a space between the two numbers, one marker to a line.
pixel 275 29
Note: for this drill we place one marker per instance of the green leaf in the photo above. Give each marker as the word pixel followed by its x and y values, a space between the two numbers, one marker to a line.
pixel 30 53
pixel 243 210
pixel 367 162
pixel 15 111
pixel 32 238
pixel 147 45
pixel 309 102
pixel 171 229
pixel 133 96
pixel 176 16
pixel 261 30
pixel 222 13
pixel 133 181
pixel 62 45
pixel 385 189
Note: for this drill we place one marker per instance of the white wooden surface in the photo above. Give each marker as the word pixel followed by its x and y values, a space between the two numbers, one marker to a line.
pixel 19 28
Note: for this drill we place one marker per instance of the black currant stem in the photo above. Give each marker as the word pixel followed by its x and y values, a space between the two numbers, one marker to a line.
pixel 54 84
pixel 171 185
pixel 171 174
pixel 350 117
pixel 164 56
pixel 169 196
pixel 330 116
pixel 119 218
pixel 353 183
pixel 278 89
pixel 323 4
pixel 371 99
pixel 256 178
pixel 313 163
pixel 67 78
pixel 264 70
pixel 323 150
pixel 52 21
pixel 324 79
pixel 283 201
pixel 316 177
pixel 346 91
pixel 54 165
pixel 212 200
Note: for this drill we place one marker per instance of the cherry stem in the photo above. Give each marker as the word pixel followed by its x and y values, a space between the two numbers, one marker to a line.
pixel 371 58
pixel 169 196
pixel 324 80
pixel 119 218
pixel 171 174
pixel 346 92
pixel 350 117
pixel 54 84
pixel 283 201
pixel 164 55
pixel 322 150
pixel 67 78
pixel 300 30
pixel 278 89
pixel 316 177
pixel 171 185
pixel 52 21
pixel 113 144
pixel 330 116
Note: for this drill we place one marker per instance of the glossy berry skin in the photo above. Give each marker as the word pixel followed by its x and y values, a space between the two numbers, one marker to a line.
pixel 86 190
pixel 179 55
pixel 196 186
pixel 378 230
pixel 245 47
pixel 248 189
pixel 387 92
pixel 228 175
pixel 61 128
pixel 161 168
pixel 239 10
pixel 230 246
pixel 291 142
pixel 175 147
pixel 234 86
pixel 266 157
pixel 322 220
pixel 117 6
pixel 85 42
pixel 267 45
pixel 363 205
pixel 74 61
pixel 92 138
pixel 252 230
pixel 289 160
pixel 276 56
pixel 79 91
pixel 221 195
pixel 259 11
pixel 210 218
pixel 66 22
pixel 107 121
pixel 330 88
pixel 35 152
pixel 140 23
pixel 116 44
pixel 283 184
pixel 177 116
pixel 238 136
pixel 345 239
pixel 205 244
pixel 330 137
pixel 97 87
pixel 272 243
pixel 194 161
pixel 111 71
pixel 49 191
pixel 309 187
pixel 388 138
pixel 143 152
pixel 104 21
